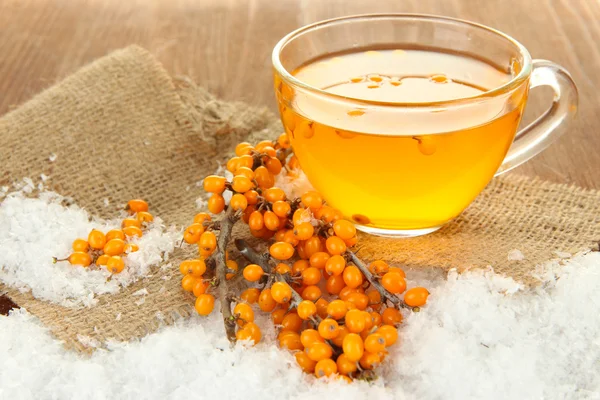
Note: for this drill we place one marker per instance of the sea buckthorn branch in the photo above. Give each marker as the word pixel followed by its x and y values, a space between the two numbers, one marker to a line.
pixel 225 297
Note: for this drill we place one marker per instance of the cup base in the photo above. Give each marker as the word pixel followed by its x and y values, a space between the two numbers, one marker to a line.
pixel 396 233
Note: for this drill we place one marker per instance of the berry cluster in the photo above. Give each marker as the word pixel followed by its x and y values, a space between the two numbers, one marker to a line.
pixel 108 249
pixel 337 314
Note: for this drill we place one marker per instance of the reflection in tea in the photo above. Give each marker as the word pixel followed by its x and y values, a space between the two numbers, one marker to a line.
pixel 391 173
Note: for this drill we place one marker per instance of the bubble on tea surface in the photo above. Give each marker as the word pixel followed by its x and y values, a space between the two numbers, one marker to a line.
pixel 426 145
pixel 372 53
pixel 375 78
pixel 345 134
pixel 357 79
pixel 395 82
pixel 372 86
pixel 439 78
pixel 304 129
pixel 355 113
pixel 361 219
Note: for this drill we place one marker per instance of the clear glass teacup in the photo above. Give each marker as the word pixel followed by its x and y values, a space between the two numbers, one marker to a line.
pixel 401 120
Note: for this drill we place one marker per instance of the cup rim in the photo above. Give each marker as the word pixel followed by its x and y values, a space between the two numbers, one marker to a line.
pixel 506 87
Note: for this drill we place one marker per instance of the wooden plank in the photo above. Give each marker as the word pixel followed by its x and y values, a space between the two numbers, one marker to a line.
pixel 226 45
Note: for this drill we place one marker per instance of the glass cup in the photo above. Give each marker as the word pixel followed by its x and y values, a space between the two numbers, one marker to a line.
pixel 405 169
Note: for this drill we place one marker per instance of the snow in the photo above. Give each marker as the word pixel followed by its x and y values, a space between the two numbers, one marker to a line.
pixel 33 230
pixel 516 255
pixel 481 336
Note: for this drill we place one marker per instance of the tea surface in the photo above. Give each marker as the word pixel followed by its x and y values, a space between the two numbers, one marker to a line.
pixel 421 177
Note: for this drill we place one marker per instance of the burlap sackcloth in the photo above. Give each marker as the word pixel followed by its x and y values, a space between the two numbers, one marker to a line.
pixel 122 128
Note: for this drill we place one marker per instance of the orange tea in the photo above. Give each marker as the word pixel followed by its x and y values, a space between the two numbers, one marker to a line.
pixel 399 171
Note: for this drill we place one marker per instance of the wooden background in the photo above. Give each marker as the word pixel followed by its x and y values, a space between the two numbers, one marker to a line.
pixel 226 45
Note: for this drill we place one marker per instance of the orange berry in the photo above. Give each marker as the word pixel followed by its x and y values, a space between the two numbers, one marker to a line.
pixel 312 246
pixel 200 287
pixel 345 366
pixel 102 260
pixel 355 321
pixel 322 307
pixel 80 258
pixel 131 248
pixel 328 328
pixel 278 315
pixel 335 245
pixel 326 367
pixel 273 195
pixel 301 215
pixel 115 234
pixel 306 364
pixel 253 272
pixel 264 178
pixel 284 141
pixel 282 208
pixel 256 221
pixel 243 313
pixel 308 337
pixel 232 265
pixel 131 222
pixel 136 205
pixel 351 242
pixel 281 250
pixel 251 197
pixel 254 330
pixel 352 276
pixel 370 360
pixel 131 231
pixel 192 233
pixel 144 216
pixel 115 264
pixel 319 351
pixel 282 268
pixel 188 282
pixel 205 303
pixel 393 283
pixel 360 300
pixel 344 229
pixel 292 322
pixel 416 297
pixel 375 343
pixel 281 292
pixel 353 347
pixel 263 144
pixel 398 271
pixel 335 284
pixel 214 184
pixel 81 245
pixel 312 293
pixel 97 239
pixel 208 241
pixel 345 292
pixel 312 200
pixel 339 339
pixel 304 231
pixel 376 318
pixel 198 267
pixel 243 334
pixel 311 276
pixel 374 297
pixel 114 247
pixel 186 267
pixel 306 309
pixel 319 259
pixel 290 238
pixel 250 295
pixel 200 218
pixel 391 316
pixel 238 202
pixel 379 267
pixel 389 333
pixel 290 341
pixel 271 220
pixel 299 266
pixel 216 203
pixel 337 309
pixel 335 265
pixel 233 164
pixel 246 161
pixel 243 148
pixel 273 165
pixel 325 213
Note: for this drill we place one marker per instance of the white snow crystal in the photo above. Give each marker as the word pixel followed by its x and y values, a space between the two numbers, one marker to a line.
pixel 52 157
pixel 140 301
pixel 140 292
pixel 481 336
pixel 34 230
pixel 118 317
pixel 87 341
pixel 106 202
pixel 44 177
pixel 515 255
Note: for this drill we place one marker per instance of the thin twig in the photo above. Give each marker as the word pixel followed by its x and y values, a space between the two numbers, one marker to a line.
pixel 227 223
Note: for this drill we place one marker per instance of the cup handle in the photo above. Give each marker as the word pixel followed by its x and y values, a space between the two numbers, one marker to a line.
pixel 538 135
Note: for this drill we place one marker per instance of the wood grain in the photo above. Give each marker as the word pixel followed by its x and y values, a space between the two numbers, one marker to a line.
pixel 226 46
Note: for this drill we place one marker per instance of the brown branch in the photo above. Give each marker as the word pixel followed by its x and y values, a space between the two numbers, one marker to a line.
pixel 374 281
pixel 227 223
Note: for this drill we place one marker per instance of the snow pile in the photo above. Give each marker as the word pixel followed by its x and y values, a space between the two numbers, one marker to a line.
pixel 481 336
pixel 33 230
